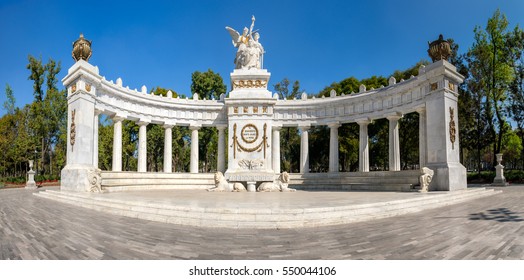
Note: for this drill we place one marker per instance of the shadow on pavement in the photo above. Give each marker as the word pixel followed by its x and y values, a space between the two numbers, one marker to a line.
pixel 498 214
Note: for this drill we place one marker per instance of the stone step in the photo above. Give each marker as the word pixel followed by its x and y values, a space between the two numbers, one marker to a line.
pixel 125 181
pixel 246 217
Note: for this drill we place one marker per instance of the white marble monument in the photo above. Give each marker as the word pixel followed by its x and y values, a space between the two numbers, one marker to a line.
pixel 250 114
pixel 254 116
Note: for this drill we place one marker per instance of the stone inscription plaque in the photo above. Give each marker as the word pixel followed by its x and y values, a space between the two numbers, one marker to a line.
pixel 249 133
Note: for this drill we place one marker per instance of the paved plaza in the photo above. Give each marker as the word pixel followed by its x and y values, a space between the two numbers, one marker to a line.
pixel 486 228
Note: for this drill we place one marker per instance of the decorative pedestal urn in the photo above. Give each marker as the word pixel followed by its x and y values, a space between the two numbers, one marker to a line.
pixel 500 180
pixel 31 184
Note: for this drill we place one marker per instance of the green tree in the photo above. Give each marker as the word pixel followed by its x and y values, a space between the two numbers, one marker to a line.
pixel 208 85
pixel 491 74
pixel 9 104
pixel 48 111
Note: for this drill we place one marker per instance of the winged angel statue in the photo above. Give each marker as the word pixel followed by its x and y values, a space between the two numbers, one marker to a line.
pixel 250 52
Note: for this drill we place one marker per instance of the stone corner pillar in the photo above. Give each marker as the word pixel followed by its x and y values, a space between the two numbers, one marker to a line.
pixel 333 147
pixel 194 148
pixel 304 148
pixel 221 157
pixel 442 131
pixel 394 142
pixel 82 134
pixel 363 150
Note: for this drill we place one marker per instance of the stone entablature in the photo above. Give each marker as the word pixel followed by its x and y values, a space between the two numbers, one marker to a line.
pixel 114 99
pixel 403 97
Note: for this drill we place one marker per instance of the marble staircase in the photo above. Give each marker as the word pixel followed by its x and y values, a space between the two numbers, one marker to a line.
pixel 244 210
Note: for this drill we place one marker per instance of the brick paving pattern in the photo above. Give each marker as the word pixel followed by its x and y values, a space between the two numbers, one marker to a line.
pixel 485 228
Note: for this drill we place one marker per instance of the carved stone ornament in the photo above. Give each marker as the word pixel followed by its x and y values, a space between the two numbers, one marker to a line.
pixel 82 49
pixel 434 86
pixel 451 86
pixel 249 84
pixel 72 136
pixel 88 87
pixel 95 180
pixel 249 134
pixel 426 175
pixel 251 164
pixel 452 128
pixel 73 88
pixel 439 49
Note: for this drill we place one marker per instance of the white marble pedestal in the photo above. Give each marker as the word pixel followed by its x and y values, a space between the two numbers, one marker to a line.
pixel 31 184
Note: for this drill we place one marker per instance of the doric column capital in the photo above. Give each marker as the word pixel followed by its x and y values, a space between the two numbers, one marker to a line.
pixel 195 127
pixel 168 125
pixel 142 122
pixel 333 125
pixel 118 118
pixel 364 121
pixel 276 127
pixel 221 127
pixel 304 127
pixel 395 117
pixel 98 112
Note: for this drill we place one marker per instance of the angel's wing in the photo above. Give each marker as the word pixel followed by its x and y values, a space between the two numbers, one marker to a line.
pixel 234 35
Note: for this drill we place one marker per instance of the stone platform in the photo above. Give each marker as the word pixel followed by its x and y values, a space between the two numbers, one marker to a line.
pixel 262 210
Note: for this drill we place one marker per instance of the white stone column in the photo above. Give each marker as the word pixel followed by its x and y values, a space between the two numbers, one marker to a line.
pixel 304 149
pixel 221 158
pixel 142 146
pixel 363 151
pixel 117 143
pixel 95 138
pixel 394 144
pixel 194 149
pixel 168 148
pixel 276 149
pixel 333 147
pixel 422 137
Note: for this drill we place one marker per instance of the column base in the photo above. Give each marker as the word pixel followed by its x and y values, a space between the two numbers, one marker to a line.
pixel 81 178
pixel 449 176
pixel 499 182
pixel 31 185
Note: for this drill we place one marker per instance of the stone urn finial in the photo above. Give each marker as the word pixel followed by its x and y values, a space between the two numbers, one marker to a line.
pixel 439 49
pixel 82 49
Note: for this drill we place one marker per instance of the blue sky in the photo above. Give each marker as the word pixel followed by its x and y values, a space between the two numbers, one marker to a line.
pixel 160 43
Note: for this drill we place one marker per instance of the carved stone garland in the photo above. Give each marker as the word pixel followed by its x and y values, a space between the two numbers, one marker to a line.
pixel 72 136
pixel 237 146
pixel 452 128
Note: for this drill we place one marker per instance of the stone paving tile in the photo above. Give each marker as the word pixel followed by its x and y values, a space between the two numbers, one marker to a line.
pixel 485 228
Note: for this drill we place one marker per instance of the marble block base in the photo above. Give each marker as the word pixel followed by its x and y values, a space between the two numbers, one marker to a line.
pixel 448 177
pixel 81 178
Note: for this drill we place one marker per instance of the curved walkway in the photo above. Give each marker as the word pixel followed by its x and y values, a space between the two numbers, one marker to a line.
pixel 484 228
